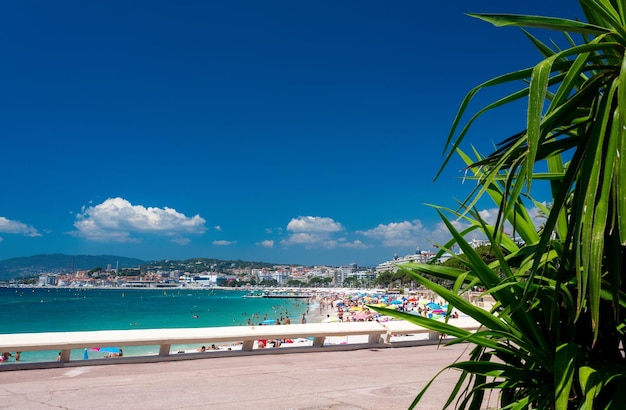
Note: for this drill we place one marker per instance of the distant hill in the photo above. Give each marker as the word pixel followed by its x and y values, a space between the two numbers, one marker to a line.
pixel 60 263
pixel 197 265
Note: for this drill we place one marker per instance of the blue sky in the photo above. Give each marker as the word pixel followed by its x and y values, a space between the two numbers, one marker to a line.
pixel 275 131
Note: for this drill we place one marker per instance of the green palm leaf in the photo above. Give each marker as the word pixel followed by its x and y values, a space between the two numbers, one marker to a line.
pixel 557 328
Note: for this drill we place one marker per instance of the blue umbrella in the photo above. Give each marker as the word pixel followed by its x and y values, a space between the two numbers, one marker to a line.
pixel 110 349
pixel 269 322
pixel 396 302
pixel 433 305
pixel 86 354
pixel 107 349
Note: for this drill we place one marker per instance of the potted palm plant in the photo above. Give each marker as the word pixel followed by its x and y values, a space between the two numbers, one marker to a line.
pixel 555 337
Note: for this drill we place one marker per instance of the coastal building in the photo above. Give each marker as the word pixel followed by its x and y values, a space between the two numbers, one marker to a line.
pixel 280 276
pixel 48 280
pixel 139 284
pixel 418 257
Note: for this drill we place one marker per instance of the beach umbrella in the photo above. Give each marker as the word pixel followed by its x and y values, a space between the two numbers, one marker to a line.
pixel 396 302
pixel 86 354
pixel 362 315
pixel 107 349
pixel 331 319
pixel 269 322
pixel 433 305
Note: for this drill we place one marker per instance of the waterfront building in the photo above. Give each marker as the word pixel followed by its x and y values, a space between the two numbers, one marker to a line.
pixel 418 257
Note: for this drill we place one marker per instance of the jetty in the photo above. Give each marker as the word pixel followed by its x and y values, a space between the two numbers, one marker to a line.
pixel 280 295
pixel 284 295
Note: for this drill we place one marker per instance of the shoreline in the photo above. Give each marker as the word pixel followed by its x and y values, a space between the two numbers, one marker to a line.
pixel 324 302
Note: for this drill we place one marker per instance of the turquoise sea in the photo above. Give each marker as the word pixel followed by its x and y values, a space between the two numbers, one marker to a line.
pixel 28 310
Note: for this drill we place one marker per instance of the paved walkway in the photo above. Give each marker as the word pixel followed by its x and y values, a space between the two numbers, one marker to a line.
pixel 385 378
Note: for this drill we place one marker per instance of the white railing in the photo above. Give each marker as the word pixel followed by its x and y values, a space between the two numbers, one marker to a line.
pixel 368 334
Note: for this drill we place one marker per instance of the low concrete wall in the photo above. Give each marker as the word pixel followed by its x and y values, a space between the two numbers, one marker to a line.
pixel 366 334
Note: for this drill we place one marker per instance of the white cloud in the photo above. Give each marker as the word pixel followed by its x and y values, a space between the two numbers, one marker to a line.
pixel 317 232
pixel 313 224
pixel 490 216
pixel 267 243
pixel 440 234
pixel 344 243
pixel 354 245
pixel 312 231
pixel 218 228
pixel 397 234
pixel 224 243
pixel 116 219
pixel 9 226
pixel 302 239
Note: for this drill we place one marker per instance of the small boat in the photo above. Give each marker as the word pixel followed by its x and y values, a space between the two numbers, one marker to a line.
pixel 254 295
pixel 283 295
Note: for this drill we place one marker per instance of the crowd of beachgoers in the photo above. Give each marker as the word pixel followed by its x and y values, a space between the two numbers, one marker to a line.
pixel 351 306
pixel 344 306
pixel 355 307
pixel 332 306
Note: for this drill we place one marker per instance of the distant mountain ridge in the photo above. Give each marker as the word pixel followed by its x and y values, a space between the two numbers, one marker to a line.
pixel 61 263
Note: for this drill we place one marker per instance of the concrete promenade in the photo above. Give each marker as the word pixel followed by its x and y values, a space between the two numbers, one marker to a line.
pixel 376 378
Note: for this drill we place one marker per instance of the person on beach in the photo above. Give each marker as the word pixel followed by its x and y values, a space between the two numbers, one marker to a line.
pixel 116 354
pixel 303 318
pixel 202 349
